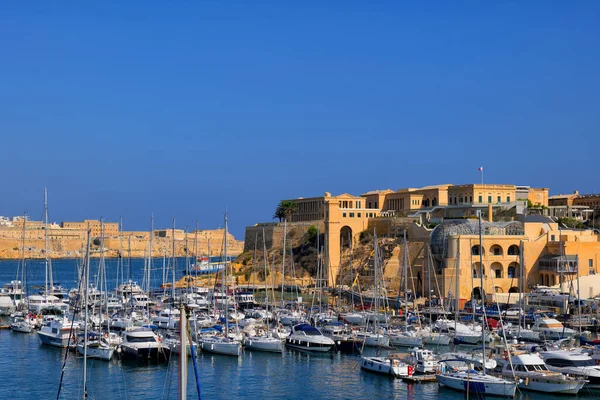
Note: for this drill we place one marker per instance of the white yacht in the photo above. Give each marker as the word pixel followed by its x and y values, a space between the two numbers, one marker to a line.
pixel 21 324
pixel 7 305
pixel 353 318
pixel 406 337
pixel 574 363
pixel 552 329
pixel 58 332
pixel 168 318
pixel 307 337
pixel 97 347
pixel 423 361
pixel 263 341
pixel 373 339
pixel 535 376
pixel 143 344
pixel 391 365
pixel 40 303
pixel 461 333
pixel 476 383
pixel 469 358
pixel 220 345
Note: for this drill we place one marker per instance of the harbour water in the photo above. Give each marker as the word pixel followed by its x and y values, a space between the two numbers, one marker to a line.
pixel 32 371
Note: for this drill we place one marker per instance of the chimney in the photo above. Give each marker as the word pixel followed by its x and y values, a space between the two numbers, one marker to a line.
pixel 490 219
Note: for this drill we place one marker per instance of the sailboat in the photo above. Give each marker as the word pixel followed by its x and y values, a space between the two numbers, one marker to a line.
pixel 469 380
pixel 93 344
pixel 405 337
pixel 257 338
pixel 222 344
pixel 376 338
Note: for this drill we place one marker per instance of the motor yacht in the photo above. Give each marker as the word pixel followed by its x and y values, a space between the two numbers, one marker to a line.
pixel 574 363
pixel 309 338
pixel 144 345
pixel 391 365
pixel 58 332
pixel 535 376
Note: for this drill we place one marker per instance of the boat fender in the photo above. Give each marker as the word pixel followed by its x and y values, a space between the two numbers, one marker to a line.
pixel 410 370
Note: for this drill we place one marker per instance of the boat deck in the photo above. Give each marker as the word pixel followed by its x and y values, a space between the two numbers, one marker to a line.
pixel 429 378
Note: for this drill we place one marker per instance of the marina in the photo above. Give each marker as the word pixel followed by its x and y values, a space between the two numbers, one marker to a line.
pixel 293 372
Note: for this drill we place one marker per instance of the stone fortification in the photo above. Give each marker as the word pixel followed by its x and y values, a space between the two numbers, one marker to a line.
pixel 273 233
pixel 67 243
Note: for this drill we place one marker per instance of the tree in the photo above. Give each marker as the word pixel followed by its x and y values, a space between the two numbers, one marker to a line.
pixel 311 233
pixel 285 209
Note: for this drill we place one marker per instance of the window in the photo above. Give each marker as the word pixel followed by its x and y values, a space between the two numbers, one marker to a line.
pixel 474 273
pixel 470 199
pixel 375 204
pixel 552 238
pixel 351 215
pixel 369 204
pixel 511 272
pixel 498 273
pixel 343 215
pixel 591 263
pixel 357 204
pixel 499 199
pixel 489 199
pixel 508 199
pixel 481 199
pixel 359 215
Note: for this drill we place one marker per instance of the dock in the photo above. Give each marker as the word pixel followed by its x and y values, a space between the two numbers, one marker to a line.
pixel 429 378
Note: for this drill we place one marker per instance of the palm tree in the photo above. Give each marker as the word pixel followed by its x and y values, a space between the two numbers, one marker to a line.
pixel 285 209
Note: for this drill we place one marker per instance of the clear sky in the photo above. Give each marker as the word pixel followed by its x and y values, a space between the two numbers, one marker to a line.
pixel 189 108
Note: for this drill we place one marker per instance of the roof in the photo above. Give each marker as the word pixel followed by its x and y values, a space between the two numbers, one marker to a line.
pixel 527 359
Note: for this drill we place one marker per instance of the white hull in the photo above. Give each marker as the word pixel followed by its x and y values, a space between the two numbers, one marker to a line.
pixel 98 352
pixel 563 387
pixel 384 366
pixel 224 347
pixel 475 384
pixel 401 340
pixel 436 339
pixel 22 327
pixel 374 340
pixel 258 343
pixel 56 341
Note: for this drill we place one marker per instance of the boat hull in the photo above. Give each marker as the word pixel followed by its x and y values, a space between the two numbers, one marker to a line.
pixel 56 341
pixel 262 344
pixel 307 346
pixel 145 354
pixel 226 349
pixel 98 353
pixel 500 389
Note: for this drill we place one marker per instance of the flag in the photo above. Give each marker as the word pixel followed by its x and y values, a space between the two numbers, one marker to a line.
pixel 480 168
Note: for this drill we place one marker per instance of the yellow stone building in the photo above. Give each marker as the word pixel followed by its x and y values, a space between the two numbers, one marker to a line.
pixel 550 256
pixel 110 228
pixel 345 216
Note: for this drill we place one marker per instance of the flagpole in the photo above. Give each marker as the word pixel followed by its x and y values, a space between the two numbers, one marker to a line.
pixel 481 169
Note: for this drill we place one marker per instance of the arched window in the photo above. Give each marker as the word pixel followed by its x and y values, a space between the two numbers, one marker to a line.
pixel 513 270
pixel 497 270
pixel 496 250
pixel 513 289
pixel 477 250
pixel 513 250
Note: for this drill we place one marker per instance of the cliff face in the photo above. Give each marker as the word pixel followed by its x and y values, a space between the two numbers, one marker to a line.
pixel 137 246
pixel 302 260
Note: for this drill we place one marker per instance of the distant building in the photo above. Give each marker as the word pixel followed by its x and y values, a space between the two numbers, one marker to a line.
pixel 110 228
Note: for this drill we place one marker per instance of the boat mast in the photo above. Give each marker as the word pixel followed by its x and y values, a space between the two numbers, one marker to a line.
pixel 481 293
pixel 173 279
pixel 47 246
pixel 148 287
pixel 183 354
pixel 23 274
pixel 266 288
pixel 120 264
pixel 376 284
pixel 196 243
pixel 405 272
pixel 85 318
pixel 521 284
pixel 224 289
pixel 283 262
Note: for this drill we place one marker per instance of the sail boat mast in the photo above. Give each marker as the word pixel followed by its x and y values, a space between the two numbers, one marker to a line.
pixel 405 268
pixel 23 272
pixel 481 293
pixel 85 318
pixel 148 287
pixel 49 280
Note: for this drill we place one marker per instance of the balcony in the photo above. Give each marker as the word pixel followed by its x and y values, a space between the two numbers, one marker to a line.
pixel 558 264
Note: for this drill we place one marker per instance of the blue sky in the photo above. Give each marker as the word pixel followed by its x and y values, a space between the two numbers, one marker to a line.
pixel 191 108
